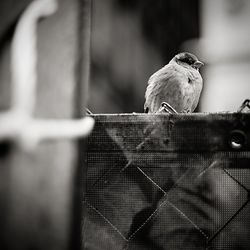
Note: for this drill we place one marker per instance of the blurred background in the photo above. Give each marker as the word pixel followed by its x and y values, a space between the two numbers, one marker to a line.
pixel 131 39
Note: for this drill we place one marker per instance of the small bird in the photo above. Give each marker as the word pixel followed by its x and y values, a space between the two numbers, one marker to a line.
pixel 176 87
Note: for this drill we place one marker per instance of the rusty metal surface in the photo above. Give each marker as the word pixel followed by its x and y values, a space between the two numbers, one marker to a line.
pixel 168 182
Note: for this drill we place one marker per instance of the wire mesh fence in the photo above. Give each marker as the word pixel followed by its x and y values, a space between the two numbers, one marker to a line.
pixel 168 182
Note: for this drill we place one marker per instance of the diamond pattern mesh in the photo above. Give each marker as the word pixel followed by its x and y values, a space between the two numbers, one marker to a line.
pixel 161 182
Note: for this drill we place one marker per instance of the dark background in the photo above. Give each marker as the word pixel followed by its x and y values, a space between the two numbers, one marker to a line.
pixel 130 41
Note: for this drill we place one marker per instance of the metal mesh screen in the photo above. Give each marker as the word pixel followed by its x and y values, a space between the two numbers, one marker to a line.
pixel 168 182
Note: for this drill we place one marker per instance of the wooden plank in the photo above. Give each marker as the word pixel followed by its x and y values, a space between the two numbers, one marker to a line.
pixel 170 133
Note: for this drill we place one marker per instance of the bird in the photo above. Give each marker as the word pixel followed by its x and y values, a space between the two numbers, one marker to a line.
pixel 176 87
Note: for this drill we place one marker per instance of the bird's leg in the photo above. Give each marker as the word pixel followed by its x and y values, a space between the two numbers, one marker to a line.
pixel 167 108
pixel 245 104
pixel 88 111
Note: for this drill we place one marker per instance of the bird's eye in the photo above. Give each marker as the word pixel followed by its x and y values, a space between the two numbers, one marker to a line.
pixel 186 60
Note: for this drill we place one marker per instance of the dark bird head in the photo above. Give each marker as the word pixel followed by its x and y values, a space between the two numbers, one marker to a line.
pixel 186 58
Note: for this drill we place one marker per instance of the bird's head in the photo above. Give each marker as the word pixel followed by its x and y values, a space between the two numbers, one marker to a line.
pixel 187 59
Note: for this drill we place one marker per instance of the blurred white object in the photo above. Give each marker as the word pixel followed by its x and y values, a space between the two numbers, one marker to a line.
pixel 225 45
pixel 17 123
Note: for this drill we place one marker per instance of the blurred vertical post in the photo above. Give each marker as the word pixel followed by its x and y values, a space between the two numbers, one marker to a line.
pixel 83 68
pixel 81 98
pixel 226 47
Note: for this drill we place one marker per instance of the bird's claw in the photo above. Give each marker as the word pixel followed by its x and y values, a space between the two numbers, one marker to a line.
pixel 167 108
pixel 245 104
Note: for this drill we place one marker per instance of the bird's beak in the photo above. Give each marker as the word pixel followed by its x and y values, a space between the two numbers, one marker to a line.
pixel 198 64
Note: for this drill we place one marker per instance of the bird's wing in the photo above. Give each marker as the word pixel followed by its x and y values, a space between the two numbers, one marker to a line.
pixel 161 87
pixel 152 88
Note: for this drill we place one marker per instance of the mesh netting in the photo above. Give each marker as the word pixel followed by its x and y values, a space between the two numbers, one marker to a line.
pixel 168 182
